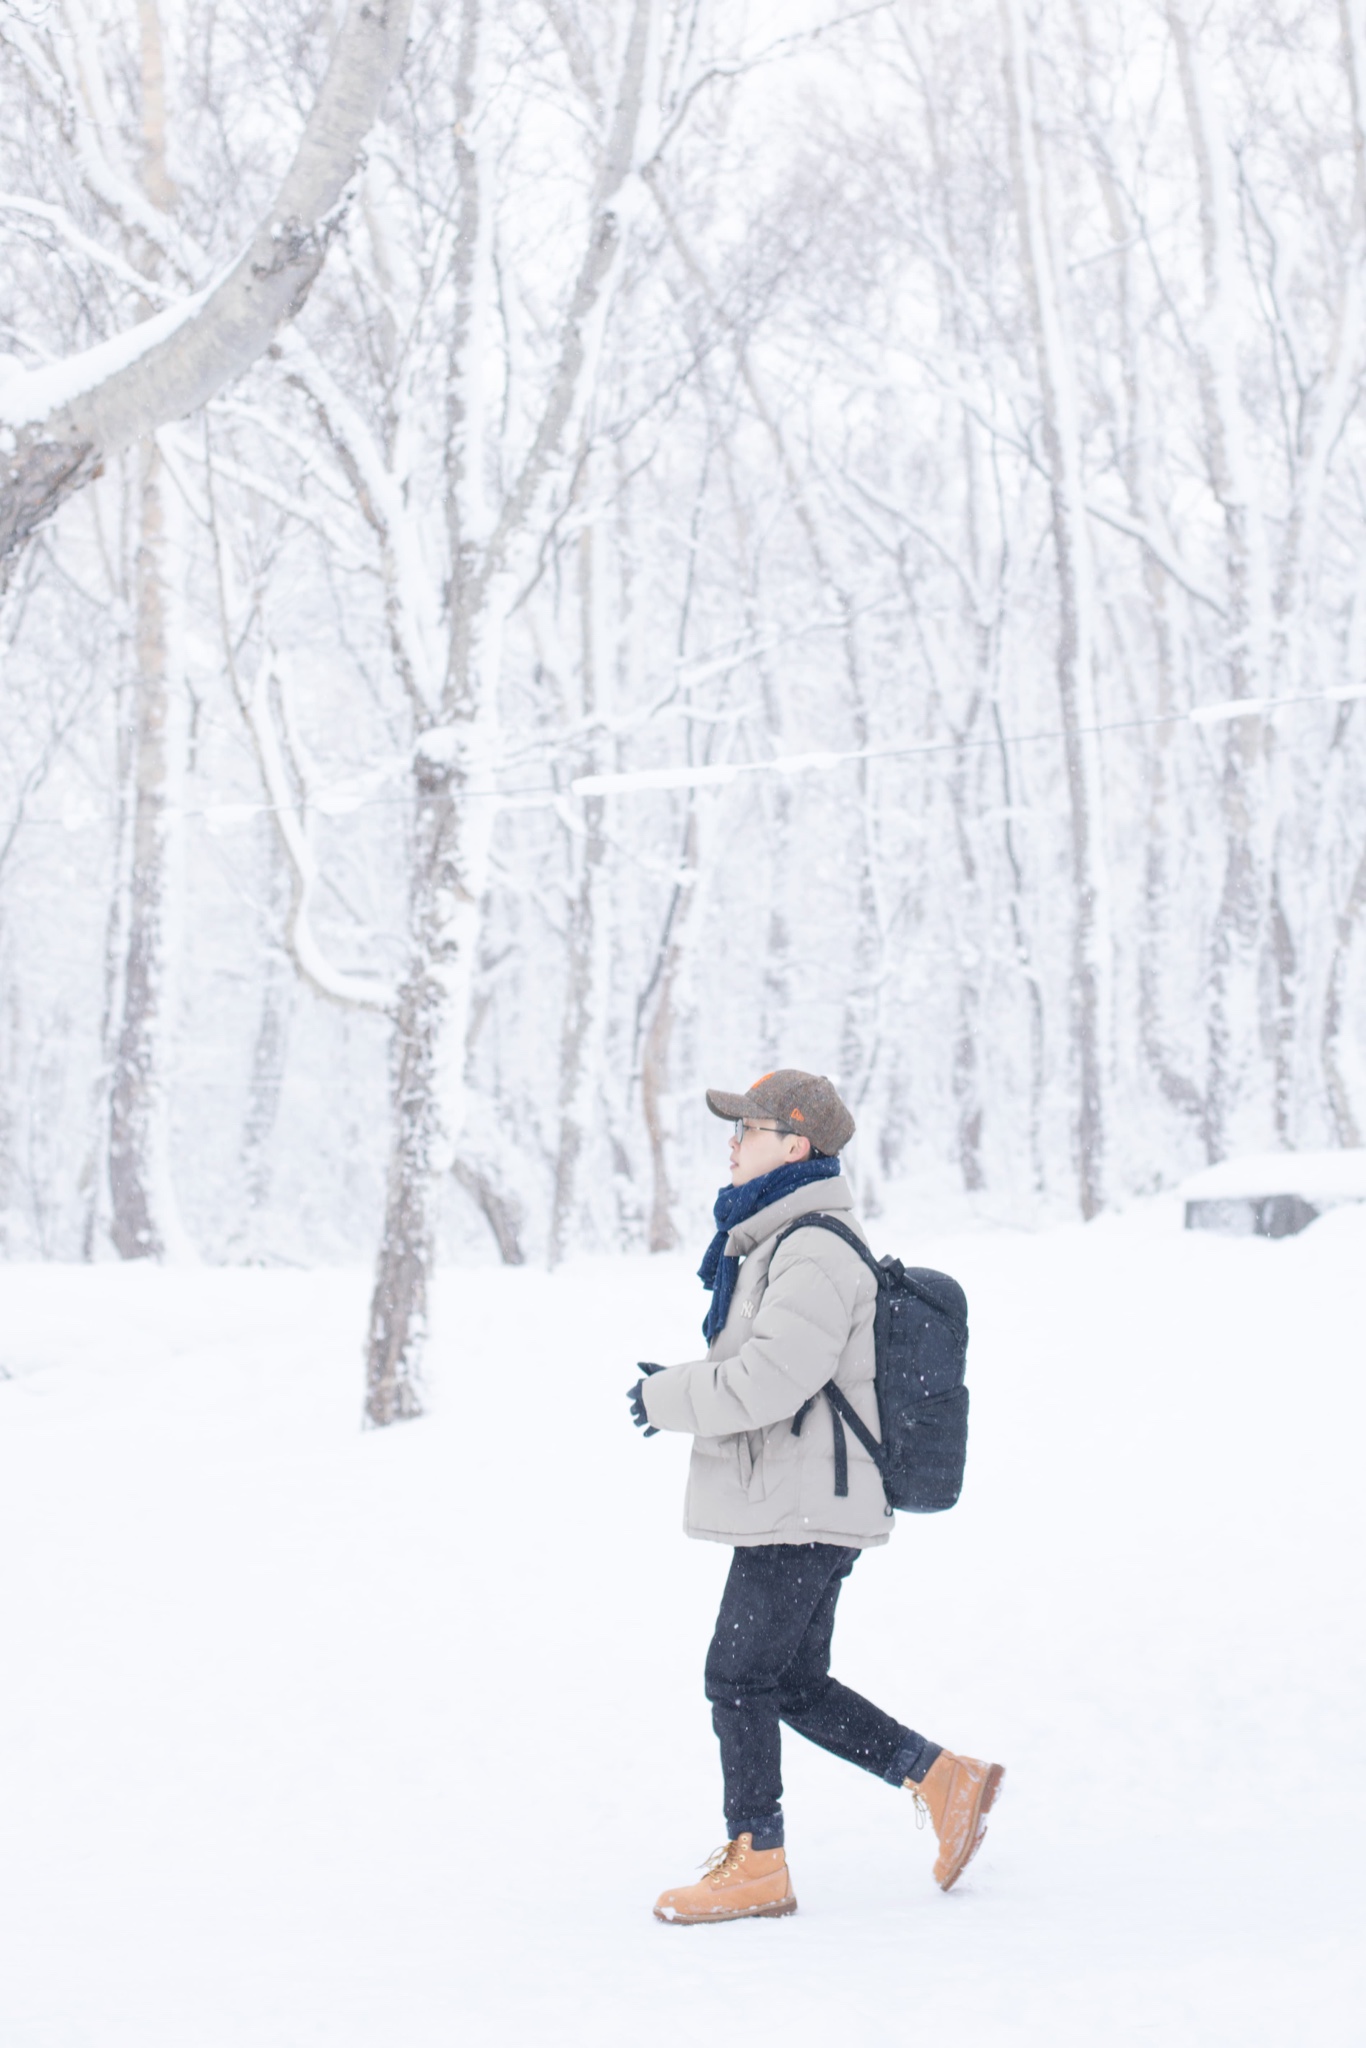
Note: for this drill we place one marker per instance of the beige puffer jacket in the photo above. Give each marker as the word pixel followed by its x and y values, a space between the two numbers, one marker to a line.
pixel 798 1318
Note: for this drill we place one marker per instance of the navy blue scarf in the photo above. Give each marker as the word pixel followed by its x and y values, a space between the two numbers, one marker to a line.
pixel 737 1205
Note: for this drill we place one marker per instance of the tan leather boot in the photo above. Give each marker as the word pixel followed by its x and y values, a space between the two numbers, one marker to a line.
pixel 740 1883
pixel 957 1792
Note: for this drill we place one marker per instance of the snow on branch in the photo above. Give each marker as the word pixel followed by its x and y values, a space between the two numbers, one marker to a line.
pixel 356 991
pixel 63 421
pixel 413 622
pixel 619 192
pixel 281 777
pixel 61 223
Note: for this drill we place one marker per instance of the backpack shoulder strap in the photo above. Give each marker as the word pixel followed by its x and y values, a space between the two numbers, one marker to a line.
pixel 832 1223
pixel 842 1411
pixel 846 1411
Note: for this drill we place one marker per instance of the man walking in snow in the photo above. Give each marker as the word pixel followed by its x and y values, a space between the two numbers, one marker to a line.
pixel 783 1323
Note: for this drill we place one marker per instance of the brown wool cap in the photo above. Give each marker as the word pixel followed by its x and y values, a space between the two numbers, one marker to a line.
pixel 806 1103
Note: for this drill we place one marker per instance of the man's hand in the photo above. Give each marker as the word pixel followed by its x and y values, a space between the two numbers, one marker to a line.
pixel 638 1415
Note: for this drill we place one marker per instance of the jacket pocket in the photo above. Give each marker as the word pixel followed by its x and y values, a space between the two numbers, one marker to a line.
pixel 754 1464
pixel 731 1455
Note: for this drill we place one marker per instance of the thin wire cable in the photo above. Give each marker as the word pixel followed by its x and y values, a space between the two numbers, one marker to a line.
pixel 1200 716
pixel 642 781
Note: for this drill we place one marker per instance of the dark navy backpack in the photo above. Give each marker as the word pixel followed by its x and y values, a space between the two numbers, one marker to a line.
pixel 920 1341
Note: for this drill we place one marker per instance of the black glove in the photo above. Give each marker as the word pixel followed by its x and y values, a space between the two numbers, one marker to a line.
pixel 638 1415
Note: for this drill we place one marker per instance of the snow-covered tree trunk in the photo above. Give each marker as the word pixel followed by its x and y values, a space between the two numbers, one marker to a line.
pixel 1234 957
pixel 1137 431
pixel 778 968
pixel 775 1015
pixel 582 989
pixel 965 799
pixel 265 1080
pixel 1346 1123
pixel 95 1171
pixel 423 1087
pixel 499 1209
pixel 140 1197
pixel 658 1012
pixel 967 1079
pixel 1088 981
pixel 454 757
pixel 1023 949
pixel 141 1215
pixel 1325 410
pixel 586 960
pixel 1333 393
pixel 979 566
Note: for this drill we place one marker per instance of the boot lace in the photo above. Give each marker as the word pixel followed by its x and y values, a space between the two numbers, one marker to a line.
pixel 721 1860
pixel 922 1811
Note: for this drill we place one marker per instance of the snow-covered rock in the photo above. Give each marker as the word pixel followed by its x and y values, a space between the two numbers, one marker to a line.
pixel 1273 1194
pixel 1320 1177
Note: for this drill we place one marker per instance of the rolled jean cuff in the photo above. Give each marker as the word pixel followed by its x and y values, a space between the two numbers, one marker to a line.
pixel 912 1759
pixel 766 1832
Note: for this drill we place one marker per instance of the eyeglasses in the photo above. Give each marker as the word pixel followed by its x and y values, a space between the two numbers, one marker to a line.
pixel 743 1124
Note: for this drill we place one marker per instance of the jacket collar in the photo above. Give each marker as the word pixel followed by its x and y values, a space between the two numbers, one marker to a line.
pixel 765 1223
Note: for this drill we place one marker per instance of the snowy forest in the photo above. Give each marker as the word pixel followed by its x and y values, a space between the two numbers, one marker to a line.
pixel 564 552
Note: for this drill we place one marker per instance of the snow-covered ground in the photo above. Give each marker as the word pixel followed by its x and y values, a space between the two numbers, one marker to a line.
pixel 1322 1177
pixel 310 1737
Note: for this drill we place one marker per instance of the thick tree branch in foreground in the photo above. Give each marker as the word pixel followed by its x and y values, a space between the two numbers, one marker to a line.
pixel 61 423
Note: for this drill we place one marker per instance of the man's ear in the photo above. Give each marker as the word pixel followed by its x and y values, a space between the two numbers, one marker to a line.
pixel 804 1153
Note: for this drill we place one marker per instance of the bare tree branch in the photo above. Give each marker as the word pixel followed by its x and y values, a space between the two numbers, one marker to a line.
pixel 66 420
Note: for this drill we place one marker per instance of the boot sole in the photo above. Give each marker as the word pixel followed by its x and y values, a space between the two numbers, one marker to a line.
pixel 991 1786
pixel 777 1911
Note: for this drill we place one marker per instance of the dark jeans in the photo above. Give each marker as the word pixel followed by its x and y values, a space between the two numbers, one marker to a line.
pixel 769 1662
